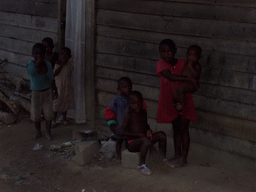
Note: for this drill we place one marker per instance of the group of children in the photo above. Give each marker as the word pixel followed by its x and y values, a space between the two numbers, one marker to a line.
pixel 50 83
pixel 127 116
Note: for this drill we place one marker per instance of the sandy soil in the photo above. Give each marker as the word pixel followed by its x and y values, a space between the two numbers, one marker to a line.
pixel 24 169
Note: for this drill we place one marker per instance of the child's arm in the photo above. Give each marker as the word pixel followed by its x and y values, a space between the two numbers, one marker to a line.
pixel 172 77
pixel 54 90
pixel 149 131
pixel 58 70
pixel 195 70
pixel 110 117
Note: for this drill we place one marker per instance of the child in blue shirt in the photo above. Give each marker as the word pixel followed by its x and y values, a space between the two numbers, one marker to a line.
pixel 43 89
pixel 115 112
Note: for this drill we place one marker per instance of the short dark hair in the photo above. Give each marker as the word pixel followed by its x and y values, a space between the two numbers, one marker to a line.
pixel 195 47
pixel 168 42
pixel 38 46
pixel 124 79
pixel 66 49
pixel 135 93
pixel 48 40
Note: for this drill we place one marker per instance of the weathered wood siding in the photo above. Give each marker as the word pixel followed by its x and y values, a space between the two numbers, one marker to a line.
pixel 24 23
pixel 128 35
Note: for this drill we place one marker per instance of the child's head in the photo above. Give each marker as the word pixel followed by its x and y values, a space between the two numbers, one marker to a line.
pixel 134 101
pixel 65 54
pixel 48 43
pixel 194 53
pixel 38 51
pixel 167 49
pixel 124 86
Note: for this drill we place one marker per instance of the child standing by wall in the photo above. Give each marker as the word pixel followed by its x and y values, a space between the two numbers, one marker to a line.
pixel 43 88
pixel 62 73
pixel 50 56
pixel 139 136
pixel 115 112
pixel 169 69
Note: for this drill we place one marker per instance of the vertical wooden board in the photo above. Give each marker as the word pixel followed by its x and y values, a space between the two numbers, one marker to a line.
pixel 29 21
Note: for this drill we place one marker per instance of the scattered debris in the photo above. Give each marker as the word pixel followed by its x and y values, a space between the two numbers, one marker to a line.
pixel 108 149
pixel 4 176
pixel 84 135
pixel 37 147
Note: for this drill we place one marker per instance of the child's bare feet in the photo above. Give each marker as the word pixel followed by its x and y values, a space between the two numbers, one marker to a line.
pixel 37 136
pixel 49 137
pixel 176 162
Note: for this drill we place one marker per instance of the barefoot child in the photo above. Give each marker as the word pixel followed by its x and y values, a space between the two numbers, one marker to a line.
pixel 191 68
pixel 50 56
pixel 62 73
pixel 169 69
pixel 139 136
pixel 43 88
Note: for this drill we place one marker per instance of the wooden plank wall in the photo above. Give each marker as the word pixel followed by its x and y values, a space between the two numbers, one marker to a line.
pixel 24 23
pixel 128 35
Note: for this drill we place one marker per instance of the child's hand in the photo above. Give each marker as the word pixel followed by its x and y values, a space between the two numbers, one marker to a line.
pixel 55 94
pixel 193 80
pixel 38 62
pixel 149 134
pixel 113 127
pixel 190 64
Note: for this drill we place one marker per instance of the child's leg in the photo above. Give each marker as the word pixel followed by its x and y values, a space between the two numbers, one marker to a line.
pixel 177 137
pixel 38 130
pixel 48 130
pixel 160 137
pixel 140 145
pixel 48 112
pixel 182 90
pixel 64 114
pixel 185 139
pixel 118 149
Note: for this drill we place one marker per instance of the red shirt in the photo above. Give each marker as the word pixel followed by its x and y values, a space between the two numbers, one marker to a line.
pixel 166 111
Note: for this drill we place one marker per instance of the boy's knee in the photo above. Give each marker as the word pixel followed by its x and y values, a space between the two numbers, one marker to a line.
pixel 146 141
pixel 162 135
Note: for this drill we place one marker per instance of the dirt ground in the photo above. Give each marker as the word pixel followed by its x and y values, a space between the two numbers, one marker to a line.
pixel 25 170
